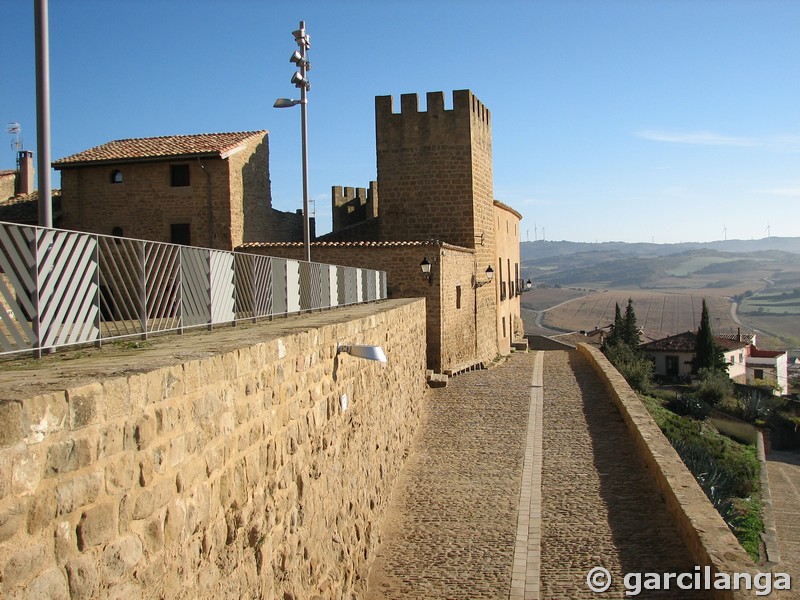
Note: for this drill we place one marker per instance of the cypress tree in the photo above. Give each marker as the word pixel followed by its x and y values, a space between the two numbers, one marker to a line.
pixel 708 355
pixel 617 328
pixel 630 328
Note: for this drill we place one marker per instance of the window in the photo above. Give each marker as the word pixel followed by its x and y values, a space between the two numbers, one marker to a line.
pixel 116 176
pixel 758 373
pixel 504 327
pixel 117 231
pixel 179 175
pixel 458 296
pixel 671 365
pixel 180 233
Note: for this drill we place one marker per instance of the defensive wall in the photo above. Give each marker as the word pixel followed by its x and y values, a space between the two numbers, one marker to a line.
pixel 706 535
pixel 258 469
pixel 452 302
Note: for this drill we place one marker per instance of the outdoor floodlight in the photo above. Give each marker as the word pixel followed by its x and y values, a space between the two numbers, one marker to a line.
pixel 299 81
pixel 363 351
pixel 285 103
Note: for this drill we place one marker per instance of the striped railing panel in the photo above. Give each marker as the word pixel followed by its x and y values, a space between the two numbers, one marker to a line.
pixel 64 288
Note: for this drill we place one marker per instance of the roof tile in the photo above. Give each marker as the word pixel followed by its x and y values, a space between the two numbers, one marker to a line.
pixel 170 146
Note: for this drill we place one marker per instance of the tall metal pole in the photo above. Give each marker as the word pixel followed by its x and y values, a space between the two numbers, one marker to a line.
pixel 302 41
pixel 43 113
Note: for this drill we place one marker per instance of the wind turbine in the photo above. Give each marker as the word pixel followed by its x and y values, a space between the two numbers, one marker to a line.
pixel 725 233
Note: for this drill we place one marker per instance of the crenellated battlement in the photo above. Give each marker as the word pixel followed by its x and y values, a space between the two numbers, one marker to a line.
pixel 351 205
pixel 464 103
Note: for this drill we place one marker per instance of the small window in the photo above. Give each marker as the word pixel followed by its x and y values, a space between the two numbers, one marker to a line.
pixel 504 327
pixel 117 231
pixel 179 175
pixel 458 296
pixel 116 176
pixel 180 233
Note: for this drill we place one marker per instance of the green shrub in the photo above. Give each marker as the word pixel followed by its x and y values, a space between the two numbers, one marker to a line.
pixel 689 405
pixel 713 385
pixel 636 368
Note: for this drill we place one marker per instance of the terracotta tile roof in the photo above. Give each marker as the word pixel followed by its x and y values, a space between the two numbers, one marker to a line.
pixel 756 353
pixel 361 244
pixel 736 337
pixel 25 209
pixel 171 146
pixel 5 172
pixel 687 342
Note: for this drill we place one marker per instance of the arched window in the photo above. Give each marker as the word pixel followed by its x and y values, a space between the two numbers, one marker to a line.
pixel 116 176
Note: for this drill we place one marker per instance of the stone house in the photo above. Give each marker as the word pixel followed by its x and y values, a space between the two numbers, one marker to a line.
pixel 672 356
pixel 19 199
pixel 209 190
pixel 433 202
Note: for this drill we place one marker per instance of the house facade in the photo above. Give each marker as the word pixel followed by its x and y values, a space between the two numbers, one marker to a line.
pixel 209 190
pixel 672 356
pixel 769 367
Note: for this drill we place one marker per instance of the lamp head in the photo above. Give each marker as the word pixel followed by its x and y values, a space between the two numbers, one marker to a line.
pixel 425 265
pixel 528 284
pixel 489 273
pixel 363 351
pixel 285 103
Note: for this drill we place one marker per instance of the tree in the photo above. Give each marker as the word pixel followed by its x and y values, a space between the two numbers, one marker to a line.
pixel 707 354
pixel 630 328
pixel 615 337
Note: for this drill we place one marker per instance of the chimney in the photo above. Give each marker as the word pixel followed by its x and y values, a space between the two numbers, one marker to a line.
pixel 25 173
pixel 738 334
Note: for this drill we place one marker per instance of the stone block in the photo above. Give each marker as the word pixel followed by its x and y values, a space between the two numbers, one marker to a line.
pixel 85 405
pixel 174 523
pixel 67 456
pixel 12 519
pixel 98 525
pixel 153 534
pixel 27 470
pixel 22 565
pixel 45 414
pixel 121 557
pixel 66 542
pixel 79 491
pixel 153 498
pixel 11 429
pixel 51 585
pixel 120 475
pixel 42 510
pixel 111 440
pixel 144 431
pixel 117 398
pixel 83 578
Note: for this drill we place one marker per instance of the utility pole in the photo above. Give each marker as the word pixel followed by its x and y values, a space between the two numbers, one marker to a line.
pixel 43 113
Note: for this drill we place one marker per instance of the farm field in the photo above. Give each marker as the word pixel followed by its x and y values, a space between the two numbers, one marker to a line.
pixel 656 312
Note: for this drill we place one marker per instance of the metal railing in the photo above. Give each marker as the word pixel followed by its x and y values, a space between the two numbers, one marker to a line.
pixel 62 288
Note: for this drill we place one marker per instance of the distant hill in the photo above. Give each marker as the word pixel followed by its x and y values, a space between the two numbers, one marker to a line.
pixel 722 264
pixel 544 249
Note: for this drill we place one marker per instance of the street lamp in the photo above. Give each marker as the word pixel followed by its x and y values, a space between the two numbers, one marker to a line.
pixel 300 80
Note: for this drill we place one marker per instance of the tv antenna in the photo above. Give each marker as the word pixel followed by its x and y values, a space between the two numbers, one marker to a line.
pixel 14 130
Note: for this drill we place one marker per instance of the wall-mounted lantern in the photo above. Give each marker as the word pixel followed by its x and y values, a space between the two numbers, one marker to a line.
pixel 425 266
pixel 489 277
pixel 528 285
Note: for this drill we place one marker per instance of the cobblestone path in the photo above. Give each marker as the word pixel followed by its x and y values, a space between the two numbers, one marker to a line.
pixel 783 469
pixel 451 525
pixel 598 506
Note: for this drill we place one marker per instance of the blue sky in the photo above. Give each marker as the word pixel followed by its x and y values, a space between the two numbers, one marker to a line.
pixel 663 121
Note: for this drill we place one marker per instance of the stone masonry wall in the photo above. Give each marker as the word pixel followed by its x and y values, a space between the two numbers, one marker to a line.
pixel 450 332
pixel 244 473
pixel 90 202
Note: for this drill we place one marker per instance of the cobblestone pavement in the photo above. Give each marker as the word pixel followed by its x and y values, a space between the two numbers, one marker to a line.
pixel 783 469
pixel 451 525
pixel 598 506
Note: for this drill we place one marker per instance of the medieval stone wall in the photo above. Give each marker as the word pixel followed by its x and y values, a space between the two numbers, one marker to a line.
pixel 257 472
pixel 450 332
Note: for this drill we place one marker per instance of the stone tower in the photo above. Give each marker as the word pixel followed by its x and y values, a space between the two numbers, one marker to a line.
pixel 435 169
pixel 435 182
